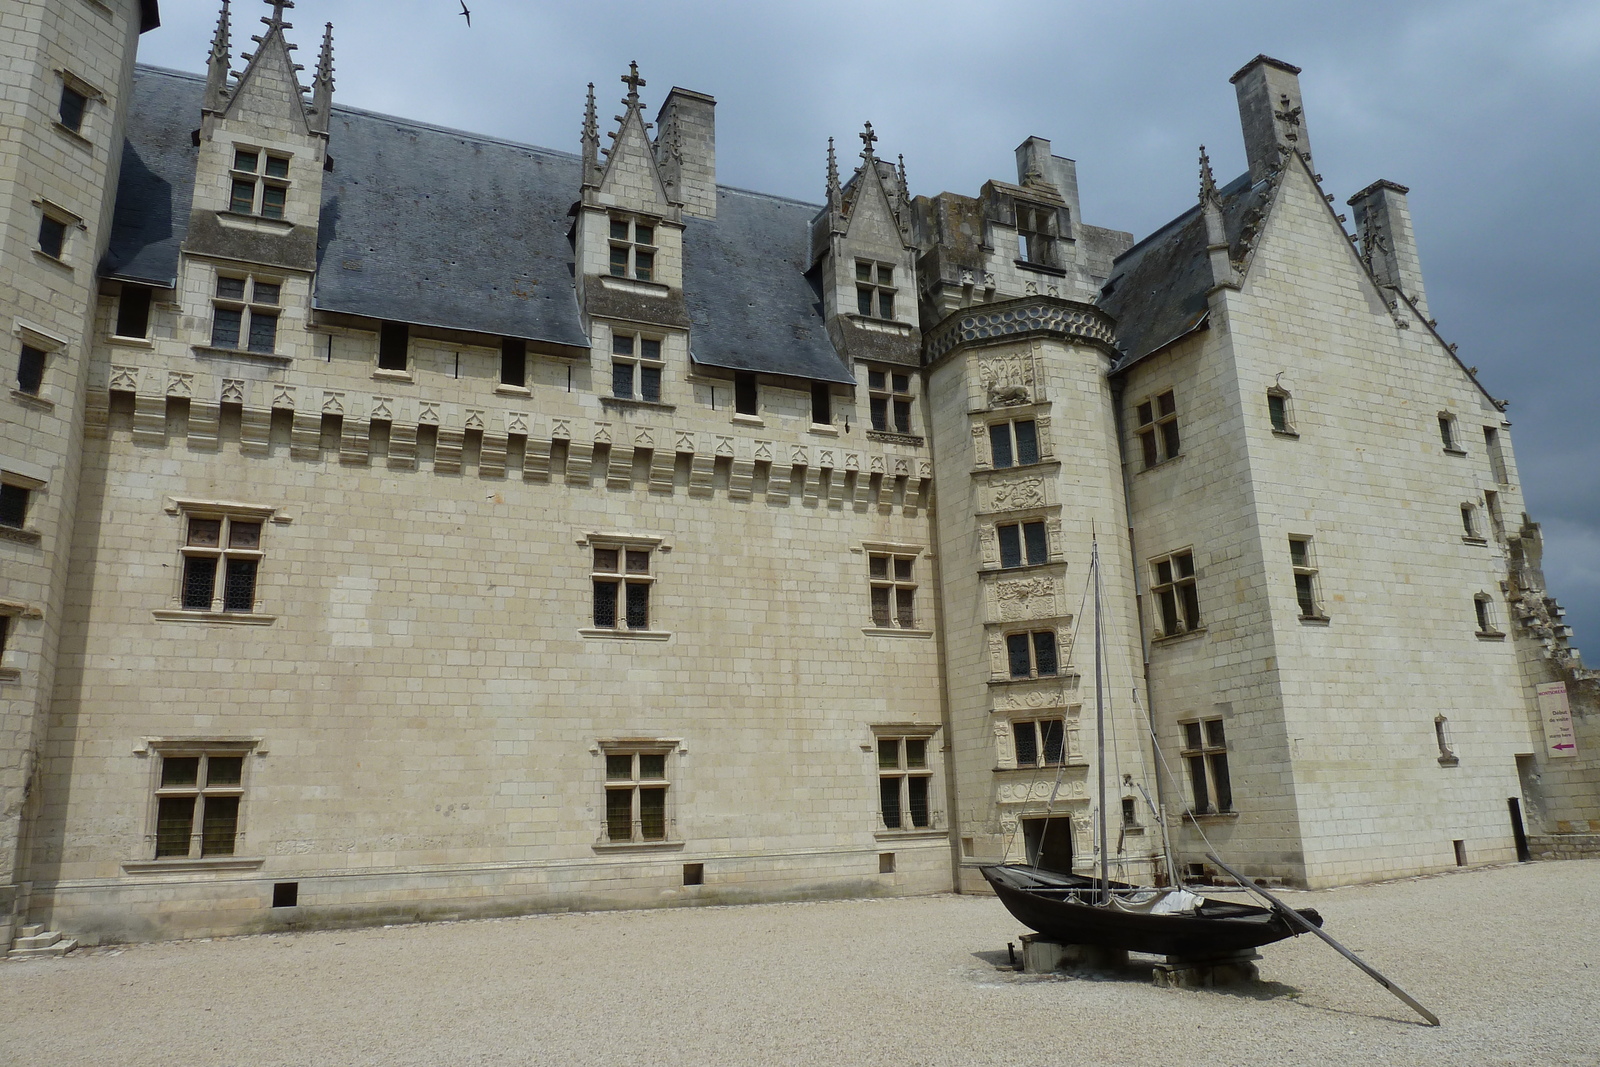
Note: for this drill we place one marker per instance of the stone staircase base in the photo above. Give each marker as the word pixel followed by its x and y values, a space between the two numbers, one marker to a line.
pixel 35 941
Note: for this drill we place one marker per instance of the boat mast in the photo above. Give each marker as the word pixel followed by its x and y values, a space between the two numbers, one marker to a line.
pixel 1100 726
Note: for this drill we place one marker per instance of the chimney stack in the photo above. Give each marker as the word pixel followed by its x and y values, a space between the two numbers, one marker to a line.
pixel 1388 247
pixel 1270 113
pixel 1034 157
pixel 686 150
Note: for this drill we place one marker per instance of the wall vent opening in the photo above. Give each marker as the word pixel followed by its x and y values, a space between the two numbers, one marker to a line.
pixel 285 894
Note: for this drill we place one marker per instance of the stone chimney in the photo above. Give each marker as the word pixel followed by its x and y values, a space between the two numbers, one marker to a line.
pixel 1388 247
pixel 686 150
pixel 1034 157
pixel 1269 112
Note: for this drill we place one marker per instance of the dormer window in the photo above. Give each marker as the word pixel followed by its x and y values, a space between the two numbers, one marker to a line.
pixel 1036 234
pixel 874 289
pixel 260 183
pixel 633 249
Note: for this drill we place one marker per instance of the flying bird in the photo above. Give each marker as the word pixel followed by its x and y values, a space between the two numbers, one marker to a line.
pixel 465 13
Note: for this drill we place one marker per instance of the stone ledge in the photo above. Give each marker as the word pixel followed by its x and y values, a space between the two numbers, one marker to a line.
pixel 237 618
pixel 188 864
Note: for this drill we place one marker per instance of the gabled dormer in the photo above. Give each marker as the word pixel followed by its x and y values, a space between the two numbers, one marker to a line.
pixel 864 259
pixel 262 150
pixel 628 230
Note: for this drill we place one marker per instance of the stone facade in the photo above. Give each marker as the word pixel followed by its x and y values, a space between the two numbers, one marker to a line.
pixel 509 530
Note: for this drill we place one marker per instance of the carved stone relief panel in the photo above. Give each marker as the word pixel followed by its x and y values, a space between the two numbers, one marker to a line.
pixel 1008 378
pixel 1012 494
pixel 1019 599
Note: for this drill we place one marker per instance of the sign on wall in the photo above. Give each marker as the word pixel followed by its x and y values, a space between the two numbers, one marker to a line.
pixel 1556 715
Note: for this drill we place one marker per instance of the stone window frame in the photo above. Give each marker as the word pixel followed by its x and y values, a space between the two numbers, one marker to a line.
pixel 1204 752
pixel 640 362
pixel 10 656
pixel 1176 591
pixel 142 293
pixel 186 511
pixel 1032 645
pixel 899 772
pixel 87 93
pixel 1280 412
pixel 1016 453
pixel 1495 448
pixel 1156 427
pixel 1024 543
pixel 623 543
pixel 1040 740
pixel 20 483
pixel 631 255
pixel 887 402
pixel 195 858
pixel 875 289
pixel 889 580
pixel 56 226
pixel 1450 434
pixel 1307 584
pixel 1036 245
pixel 269 171
pixel 1472 524
pixel 513 364
pixel 250 307
pixel 1488 617
pixel 636 784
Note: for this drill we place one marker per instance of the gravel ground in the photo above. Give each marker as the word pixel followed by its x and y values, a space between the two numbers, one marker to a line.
pixel 1508 957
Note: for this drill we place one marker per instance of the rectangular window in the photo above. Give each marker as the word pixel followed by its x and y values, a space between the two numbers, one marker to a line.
pixel 636 794
pixel 394 343
pixel 245 314
pixel 1158 428
pixel 30 370
pixel 874 289
pixel 255 190
pixel 621 578
pixel 889 399
pixel 1447 432
pixel 1469 522
pixel 513 361
pixel 1031 655
pixel 744 393
pixel 1205 750
pixel 71 108
pixel 636 367
pixel 1491 500
pixel 1022 543
pixel 226 544
pixel 1036 233
pixel 1483 605
pixel 1173 586
pixel 14 505
pixel 633 252
pixel 821 404
pixel 894 590
pixel 133 311
pixel 1278 411
pixel 905 779
pixel 197 803
pixel 52 236
pixel 1014 443
pixel 1040 743
pixel 1305 577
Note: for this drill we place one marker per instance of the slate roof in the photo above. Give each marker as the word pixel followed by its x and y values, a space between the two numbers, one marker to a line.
pixel 1158 287
pixel 751 306
pixel 444 228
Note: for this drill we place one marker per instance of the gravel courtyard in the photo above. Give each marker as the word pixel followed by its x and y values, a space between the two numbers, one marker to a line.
pixel 1509 958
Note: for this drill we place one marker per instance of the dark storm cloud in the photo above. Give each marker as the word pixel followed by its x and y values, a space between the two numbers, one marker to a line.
pixel 1488 111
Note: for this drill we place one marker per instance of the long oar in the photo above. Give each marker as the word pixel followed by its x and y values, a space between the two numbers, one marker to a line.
pixel 1283 909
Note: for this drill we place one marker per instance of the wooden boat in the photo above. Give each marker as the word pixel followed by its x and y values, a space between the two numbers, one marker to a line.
pixel 1077 910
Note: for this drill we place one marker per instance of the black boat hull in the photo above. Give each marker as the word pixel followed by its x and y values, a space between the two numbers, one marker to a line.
pixel 1049 904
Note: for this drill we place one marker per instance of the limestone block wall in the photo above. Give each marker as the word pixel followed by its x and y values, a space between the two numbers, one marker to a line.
pixel 425 698
pixel 1371 482
pixel 47 169
pixel 1075 491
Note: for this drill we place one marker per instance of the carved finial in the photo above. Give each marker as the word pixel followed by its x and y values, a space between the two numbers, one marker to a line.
pixel 275 21
pixel 1208 181
pixel 219 42
pixel 633 82
pixel 322 84
pixel 833 172
pixel 905 190
pixel 867 137
pixel 591 142
pixel 217 63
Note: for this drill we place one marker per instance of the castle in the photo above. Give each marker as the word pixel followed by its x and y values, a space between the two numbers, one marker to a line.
pixel 399 522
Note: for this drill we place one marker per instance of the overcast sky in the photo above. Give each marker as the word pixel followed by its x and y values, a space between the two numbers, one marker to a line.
pixel 1489 111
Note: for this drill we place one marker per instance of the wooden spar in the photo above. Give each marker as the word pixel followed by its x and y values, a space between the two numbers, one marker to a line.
pixel 1294 916
pixel 1100 728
